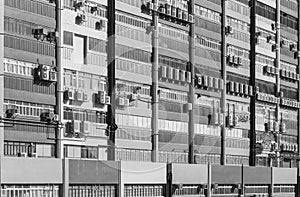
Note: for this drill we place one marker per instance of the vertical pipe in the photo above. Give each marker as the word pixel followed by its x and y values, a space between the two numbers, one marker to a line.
pixel 59 84
pixel 209 181
pixel 271 189
pixel 223 93
pixel 111 110
pixel 277 25
pixel 191 68
pixel 298 71
pixel 252 82
pixel 1 79
pixel 154 122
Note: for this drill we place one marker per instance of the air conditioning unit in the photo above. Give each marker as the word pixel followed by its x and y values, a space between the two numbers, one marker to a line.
pixel 53 76
pixel 133 97
pixel 40 34
pixel 229 30
pixel 267 69
pixel 283 43
pixel 22 154
pixel 80 18
pixel 179 13
pixel 107 100
pixel 11 113
pixel 33 155
pixel 69 94
pixel 184 15
pixel 230 120
pixel 293 47
pixel 79 4
pixel 85 97
pixel 230 59
pixel 282 127
pixel 100 97
pixel 79 95
pixel 43 72
pixel 150 5
pixel 51 36
pixel 191 18
pixel 270 39
pixel 48 117
pixel 162 9
pixel 121 101
pixel 94 9
pixel 85 127
pixel 239 61
pixel 283 73
pixel 100 24
pixel 297 54
pixel 126 102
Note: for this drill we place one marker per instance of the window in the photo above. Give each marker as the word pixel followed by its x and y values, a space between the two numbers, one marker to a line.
pixel 68 38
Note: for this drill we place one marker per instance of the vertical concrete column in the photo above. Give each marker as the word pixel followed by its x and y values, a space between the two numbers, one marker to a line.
pixel 223 94
pixel 191 96
pixel 271 189
pixel 59 84
pixel 1 85
pixel 154 88
pixel 209 180
pixel 64 188
pixel 120 186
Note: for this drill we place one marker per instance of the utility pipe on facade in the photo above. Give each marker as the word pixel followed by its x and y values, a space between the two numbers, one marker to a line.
pixel 298 71
pixel 191 67
pixel 277 64
pixel 223 93
pixel 252 82
pixel 154 93
pixel 59 84
pixel 111 110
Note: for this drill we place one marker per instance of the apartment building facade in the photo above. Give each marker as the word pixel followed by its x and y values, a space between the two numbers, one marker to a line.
pixel 54 100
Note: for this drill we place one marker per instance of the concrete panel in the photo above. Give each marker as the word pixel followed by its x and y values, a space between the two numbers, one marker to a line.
pixel 257 175
pixel 134 144
pixel 93 172
pixel 29 96
pixel 31 170
pixel 285 175
pixel 189 174
pixel 226 174
pixel 143 172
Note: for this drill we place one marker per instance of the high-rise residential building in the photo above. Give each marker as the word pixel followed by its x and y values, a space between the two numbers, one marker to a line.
pixel 214 83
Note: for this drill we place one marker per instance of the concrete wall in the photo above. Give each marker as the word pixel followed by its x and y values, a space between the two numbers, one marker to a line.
pixel 31 171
